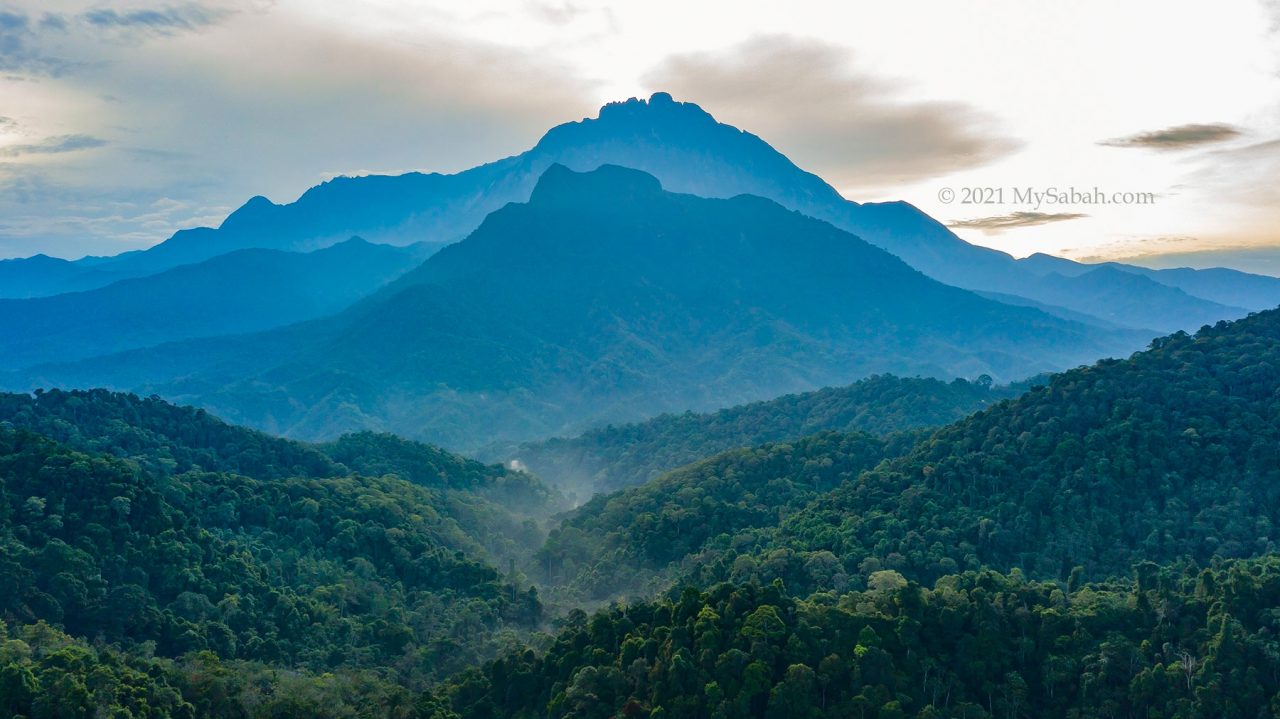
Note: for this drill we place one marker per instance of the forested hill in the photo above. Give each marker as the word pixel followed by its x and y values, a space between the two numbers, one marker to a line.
pixel 172 439
pixel 161 529
pixel 614 457
pixel 1176 642
pixel 618 545
pixel 1172 453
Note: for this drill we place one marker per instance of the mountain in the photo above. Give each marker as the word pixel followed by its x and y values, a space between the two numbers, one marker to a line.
pixel 238 292
pixel 42 275
pixel 689 152
pixel 603 298
pixel 1124 298
pixel 159 528
pixel 1167 455
pixel 614 457
pixel 1217 284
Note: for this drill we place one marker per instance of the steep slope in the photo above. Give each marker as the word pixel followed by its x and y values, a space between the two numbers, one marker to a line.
pixel 680 144
pixel 614 457
pixel 238 292
pixel 605 298
pixel 1169 454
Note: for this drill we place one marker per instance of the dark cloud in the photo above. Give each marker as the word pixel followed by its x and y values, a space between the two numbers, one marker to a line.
pixel 853 129
pixel 53 146
pixel 1014 220
pixel 1180 137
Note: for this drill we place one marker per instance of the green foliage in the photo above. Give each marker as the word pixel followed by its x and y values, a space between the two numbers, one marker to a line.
pixel 46 674
pixel 623 542
pixel 159 435
pixel 1169 454
pixel 329 571
pixel 374 454
pixel 1175 643
pixel 615 457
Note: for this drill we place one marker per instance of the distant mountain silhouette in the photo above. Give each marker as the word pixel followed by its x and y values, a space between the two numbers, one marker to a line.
pixel 242 291
pixel 1217 284
pixel 688 151
pixel 603 298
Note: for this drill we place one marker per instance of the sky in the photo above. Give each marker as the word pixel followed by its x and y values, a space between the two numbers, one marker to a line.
pixel 1146 131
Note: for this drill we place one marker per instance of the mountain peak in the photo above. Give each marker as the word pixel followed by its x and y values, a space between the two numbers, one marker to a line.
pixel 560 186
pixel 660 105
pixel 659 116
pixel 249 212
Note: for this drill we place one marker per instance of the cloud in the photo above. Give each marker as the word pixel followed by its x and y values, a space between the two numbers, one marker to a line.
pixel 52 145
pixel 1180 137
pixel 1241 175
pixel 808 98
pixel 50 44
pixel 20 41
pixel 556 12
pixel 268 102
pixel 1015 220
pixel 161 21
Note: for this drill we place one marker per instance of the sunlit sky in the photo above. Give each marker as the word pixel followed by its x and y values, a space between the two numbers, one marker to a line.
pixel 121 122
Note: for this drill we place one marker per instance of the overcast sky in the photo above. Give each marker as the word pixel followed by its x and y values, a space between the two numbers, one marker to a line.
pixel 121 122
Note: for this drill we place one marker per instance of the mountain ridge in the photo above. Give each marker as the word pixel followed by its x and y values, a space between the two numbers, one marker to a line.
pixel 689 151
pixel 534 322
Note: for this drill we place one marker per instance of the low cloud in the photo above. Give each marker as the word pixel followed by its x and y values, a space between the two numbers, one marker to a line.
pixel 1180 137
pixel 853 129
pixel 1014 220
pixel 52 145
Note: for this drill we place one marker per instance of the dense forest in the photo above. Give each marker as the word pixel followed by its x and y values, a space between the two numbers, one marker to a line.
pixel 1169 454
pixel 615 457
pixel 1101 546
pixel 618 544
pixel 162 529
pixel 1174 641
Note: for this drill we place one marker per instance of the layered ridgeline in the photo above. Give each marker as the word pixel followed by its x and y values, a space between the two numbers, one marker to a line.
pixel 615 457
pixel 159 529
pixel 1169 454
pixel 603 298
pixel 689 151
pixel 1173 642
pixel 242 291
